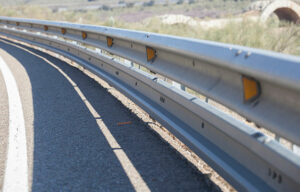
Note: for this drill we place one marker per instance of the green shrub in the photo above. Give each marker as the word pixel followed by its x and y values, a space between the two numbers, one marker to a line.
pixel 149 3
pixel 274 35
pixel 179 2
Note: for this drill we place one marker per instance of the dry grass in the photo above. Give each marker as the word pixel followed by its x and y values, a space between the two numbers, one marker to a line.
pixel 275 36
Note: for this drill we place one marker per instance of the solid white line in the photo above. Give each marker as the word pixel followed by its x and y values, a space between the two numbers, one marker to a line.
pixel 134 176
pixel 16 175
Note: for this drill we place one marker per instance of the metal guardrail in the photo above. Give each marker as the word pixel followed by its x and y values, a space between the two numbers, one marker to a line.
pixel 260 85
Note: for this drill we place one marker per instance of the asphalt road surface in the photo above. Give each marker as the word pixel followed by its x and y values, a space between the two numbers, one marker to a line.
pixel 63 134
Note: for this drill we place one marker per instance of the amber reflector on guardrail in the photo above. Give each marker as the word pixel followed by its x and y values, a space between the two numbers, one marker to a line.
pixel 251 89
pixel 63 31
pixel 46 28
pixel 151 53
pixel 84 35
pixel 109 41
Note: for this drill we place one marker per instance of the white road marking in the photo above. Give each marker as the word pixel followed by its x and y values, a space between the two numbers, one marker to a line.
pixel 134 176
pixel 16 175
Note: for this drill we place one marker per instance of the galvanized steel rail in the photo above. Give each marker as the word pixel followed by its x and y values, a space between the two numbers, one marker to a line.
pixel 262 86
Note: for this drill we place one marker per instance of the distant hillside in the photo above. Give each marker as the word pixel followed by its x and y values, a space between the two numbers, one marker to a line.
pixel 22 2
pixel 62 3
pixel 202 19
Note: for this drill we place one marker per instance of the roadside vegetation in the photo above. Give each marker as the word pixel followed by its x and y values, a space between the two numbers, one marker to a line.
pixel 274 35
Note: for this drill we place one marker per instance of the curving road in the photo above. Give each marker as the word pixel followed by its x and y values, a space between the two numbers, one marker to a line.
pixel 73 142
